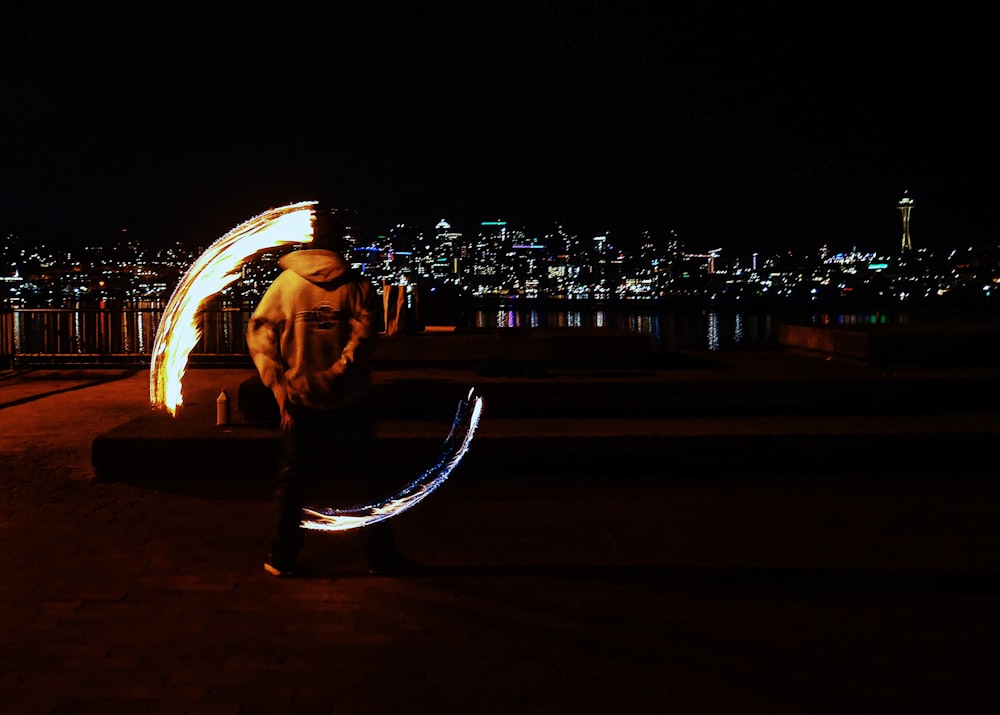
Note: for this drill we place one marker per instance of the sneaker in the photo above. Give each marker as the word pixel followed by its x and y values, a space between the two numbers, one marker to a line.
pixel 280 572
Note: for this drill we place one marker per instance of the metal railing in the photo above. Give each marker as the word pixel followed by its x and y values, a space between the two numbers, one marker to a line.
pixel 31 337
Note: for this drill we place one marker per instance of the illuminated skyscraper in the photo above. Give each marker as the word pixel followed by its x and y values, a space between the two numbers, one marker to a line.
pixel 445 255
pixel 906 205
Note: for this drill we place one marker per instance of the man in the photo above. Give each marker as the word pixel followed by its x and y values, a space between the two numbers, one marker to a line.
pixel 310 338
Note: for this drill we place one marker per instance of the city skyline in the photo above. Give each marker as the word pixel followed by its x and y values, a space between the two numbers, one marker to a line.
pixel 401 236
pixel 740 127
pixel 500 261
pixel 629 238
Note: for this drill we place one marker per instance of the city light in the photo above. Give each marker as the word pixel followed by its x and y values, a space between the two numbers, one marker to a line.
pixel 498 260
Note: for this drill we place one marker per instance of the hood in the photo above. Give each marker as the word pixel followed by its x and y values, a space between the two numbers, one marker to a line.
pixel 316 265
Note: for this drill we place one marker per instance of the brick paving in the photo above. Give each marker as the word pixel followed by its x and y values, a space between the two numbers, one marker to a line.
pixel 863 592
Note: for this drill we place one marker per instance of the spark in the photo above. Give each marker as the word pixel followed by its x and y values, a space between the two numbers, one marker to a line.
pixel 456 444
pixel 180 327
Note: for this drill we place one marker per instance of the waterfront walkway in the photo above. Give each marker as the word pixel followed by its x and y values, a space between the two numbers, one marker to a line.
pixel 813 581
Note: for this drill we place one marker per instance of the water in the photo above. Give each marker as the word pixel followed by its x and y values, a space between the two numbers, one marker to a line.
pixel 701 329
pixel 131 330
pixel 666 329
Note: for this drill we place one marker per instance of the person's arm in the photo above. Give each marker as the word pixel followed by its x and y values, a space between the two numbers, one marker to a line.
pixel 360 342
pixel 264 344
pixel 364 326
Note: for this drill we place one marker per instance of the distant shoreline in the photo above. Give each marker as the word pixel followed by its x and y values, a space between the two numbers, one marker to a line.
pixel 775 305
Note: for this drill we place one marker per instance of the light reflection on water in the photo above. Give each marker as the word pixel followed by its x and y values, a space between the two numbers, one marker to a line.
pixel 713 331
pixel 132 329
pixel 676 330
pixel 689 329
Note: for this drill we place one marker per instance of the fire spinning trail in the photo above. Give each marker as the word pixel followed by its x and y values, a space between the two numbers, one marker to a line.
pixel 180 327
pixel 180 330
pixel 454 448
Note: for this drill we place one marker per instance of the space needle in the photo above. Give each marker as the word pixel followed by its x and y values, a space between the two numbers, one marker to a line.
pixel 906 205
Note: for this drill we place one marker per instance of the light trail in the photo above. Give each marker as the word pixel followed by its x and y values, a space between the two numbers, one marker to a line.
pixel 180 328
pixel 456 444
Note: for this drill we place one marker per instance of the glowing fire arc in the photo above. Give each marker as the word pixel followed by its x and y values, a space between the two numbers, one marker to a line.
pixel 180 326
pixel 456 444
pixel 180 330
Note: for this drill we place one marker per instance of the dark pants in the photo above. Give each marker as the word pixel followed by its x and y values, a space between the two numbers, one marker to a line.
pixel 328 453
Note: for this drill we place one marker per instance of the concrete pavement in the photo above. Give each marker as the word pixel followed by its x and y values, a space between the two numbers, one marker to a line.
pixel 711 590
pixel 760 412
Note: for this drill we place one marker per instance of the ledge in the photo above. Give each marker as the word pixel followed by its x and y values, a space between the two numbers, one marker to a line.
pixel 887 344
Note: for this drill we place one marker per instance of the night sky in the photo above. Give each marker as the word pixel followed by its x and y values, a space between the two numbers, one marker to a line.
pixel 747 129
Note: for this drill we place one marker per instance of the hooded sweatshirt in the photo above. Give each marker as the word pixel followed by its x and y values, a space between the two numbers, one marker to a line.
pixel 313 331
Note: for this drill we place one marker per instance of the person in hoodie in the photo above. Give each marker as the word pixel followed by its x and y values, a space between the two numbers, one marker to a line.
pixel 311 337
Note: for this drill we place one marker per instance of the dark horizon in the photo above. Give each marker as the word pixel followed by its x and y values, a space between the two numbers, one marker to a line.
pixel 737 128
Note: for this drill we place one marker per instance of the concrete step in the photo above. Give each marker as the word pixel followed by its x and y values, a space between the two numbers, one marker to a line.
pixel 734 414
pixel 427 394
pixel 192 446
